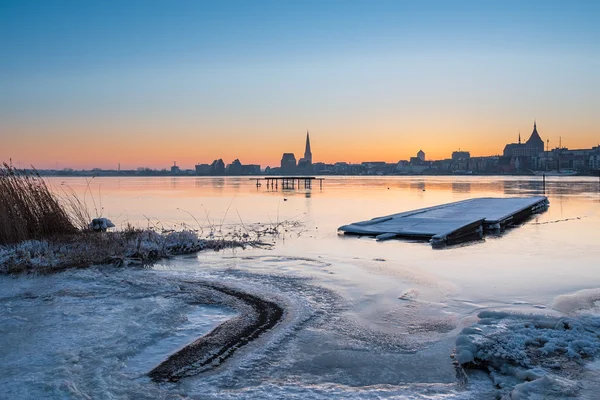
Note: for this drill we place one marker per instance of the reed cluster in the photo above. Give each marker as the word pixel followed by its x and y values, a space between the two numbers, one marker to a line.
pixel 28 209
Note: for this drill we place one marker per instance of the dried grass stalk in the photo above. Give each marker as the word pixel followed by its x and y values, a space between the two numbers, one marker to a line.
pixel 28 209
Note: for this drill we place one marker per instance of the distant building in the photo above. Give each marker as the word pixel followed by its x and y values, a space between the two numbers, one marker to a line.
pixel 594 161
pixel 460 155
pixel 579 159
pixel 235 168
pixel 217 167
pixel 320 168
pixel 524 156
pixel 288 162
pixel 532 148
pixel 175 170
pixel 377 167
pixel 419 159
pixel 202 169
pixel 250 169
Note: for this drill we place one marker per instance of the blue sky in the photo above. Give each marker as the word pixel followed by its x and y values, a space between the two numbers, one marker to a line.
pixel 379 73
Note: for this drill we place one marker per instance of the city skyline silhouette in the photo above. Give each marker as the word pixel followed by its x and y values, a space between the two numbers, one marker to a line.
pixel 92 84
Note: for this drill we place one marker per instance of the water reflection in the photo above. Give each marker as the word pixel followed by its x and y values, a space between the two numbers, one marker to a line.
pixel 534 187
pixel 461 187
pixel 218 183
pixel 419 185
pixel 235 182
pixel 341 200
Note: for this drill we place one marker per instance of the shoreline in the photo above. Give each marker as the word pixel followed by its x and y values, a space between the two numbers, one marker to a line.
pixel 208 352
pixel 119 248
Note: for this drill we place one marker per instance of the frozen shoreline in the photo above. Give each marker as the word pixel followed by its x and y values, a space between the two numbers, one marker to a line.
pixel 317 348
pixel 120 248
pixel 206 353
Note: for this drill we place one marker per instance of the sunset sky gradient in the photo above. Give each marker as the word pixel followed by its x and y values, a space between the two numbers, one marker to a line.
pixel 88 84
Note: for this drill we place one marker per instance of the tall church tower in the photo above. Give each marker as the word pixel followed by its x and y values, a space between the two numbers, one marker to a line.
pixel 307 152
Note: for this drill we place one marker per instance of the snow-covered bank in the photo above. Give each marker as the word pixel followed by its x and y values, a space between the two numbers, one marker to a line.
pixel 81 250
pixel 535 356
pixel 138 247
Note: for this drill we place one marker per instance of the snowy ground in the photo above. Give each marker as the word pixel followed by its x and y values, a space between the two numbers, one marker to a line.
pixel 95 333
pixel 530 356
pixel 92 333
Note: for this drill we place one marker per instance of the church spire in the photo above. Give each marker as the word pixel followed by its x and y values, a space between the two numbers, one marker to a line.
pixel 519 137
pixel 307 152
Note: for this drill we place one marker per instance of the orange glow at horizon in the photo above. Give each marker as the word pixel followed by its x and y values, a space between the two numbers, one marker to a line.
pixel 160 145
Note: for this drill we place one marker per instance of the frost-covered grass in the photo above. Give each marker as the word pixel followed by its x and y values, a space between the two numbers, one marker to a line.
pixel 528 355
pixel 131 246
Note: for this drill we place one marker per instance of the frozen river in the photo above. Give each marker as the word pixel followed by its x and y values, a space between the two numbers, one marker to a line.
pixel 363 319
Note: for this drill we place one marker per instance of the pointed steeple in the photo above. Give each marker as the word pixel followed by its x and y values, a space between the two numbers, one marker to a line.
pixel 519 137
pixel 307 152
pixel 535 140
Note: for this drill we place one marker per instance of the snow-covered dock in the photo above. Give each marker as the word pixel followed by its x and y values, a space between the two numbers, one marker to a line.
pixel 452 222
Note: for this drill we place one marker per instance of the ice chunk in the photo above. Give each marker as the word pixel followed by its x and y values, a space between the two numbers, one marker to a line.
pixel 530 353
pixel 578 301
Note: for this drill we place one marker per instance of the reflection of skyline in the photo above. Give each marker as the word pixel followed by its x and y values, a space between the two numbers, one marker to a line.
pixel 461 187
pixel 521 187
pixel 475 186
pixel 419 185
pixel 218 183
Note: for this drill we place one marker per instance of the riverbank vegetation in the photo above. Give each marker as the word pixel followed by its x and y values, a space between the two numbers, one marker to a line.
pixel 42 232
pixel 29 210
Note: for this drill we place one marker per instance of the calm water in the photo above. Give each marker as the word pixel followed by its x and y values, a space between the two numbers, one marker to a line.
pixel 347 333
pixel 541 258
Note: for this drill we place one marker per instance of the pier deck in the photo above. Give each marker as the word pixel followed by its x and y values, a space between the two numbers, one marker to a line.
pixel 452 222
pixel 290 182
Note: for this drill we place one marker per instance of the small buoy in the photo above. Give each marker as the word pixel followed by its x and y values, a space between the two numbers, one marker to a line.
pixel 284 199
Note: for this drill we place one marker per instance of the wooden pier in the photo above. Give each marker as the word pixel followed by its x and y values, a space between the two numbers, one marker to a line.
pixel 290 182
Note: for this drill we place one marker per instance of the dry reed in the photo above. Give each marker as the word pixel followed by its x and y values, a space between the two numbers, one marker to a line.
pixel 28 209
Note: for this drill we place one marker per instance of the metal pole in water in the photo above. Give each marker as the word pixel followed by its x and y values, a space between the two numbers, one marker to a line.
pixel 544 182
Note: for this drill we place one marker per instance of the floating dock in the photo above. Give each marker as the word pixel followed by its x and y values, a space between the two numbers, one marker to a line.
pixel 452 222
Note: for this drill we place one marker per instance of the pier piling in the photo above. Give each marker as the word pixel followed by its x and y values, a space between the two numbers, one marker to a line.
pixel 290 182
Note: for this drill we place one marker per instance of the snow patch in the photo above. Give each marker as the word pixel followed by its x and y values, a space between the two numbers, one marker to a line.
pixel 582 300
pixel 529 355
